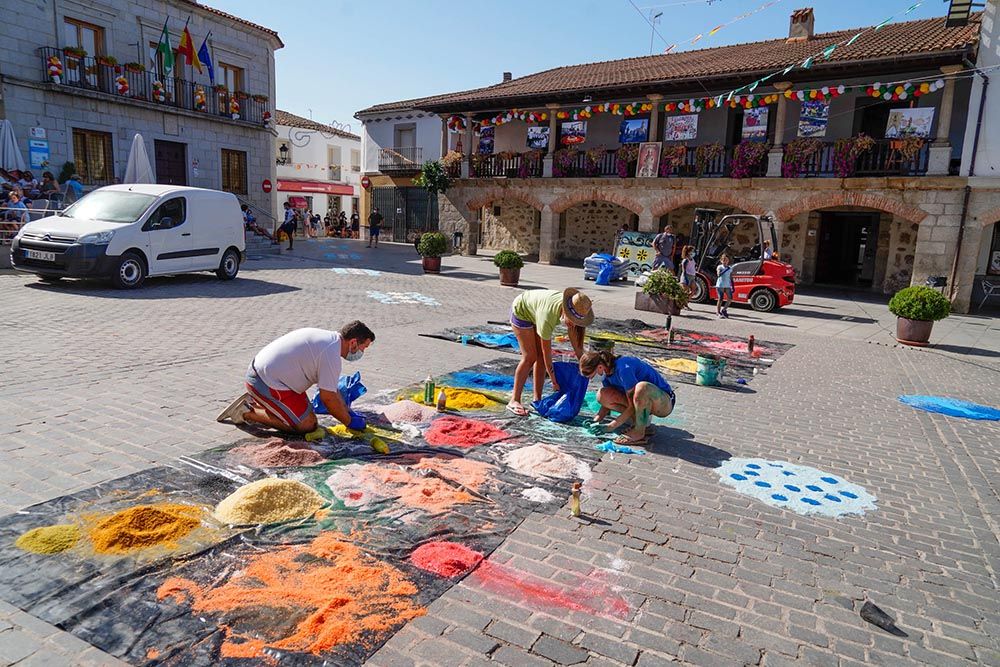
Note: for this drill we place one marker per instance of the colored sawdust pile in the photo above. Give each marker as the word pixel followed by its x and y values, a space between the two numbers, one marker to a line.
pixel 268 501
pixel 536 494
pixel 49 539
pixel 543 460
pixel 445 559
pixel 736 346
pixel 361 485
pixel 409 412
pixel 341 595
pixel 275 453
pixel 144 526
pixel 678 365
pixel 463 399
pixel 487 381
pixel 459 432
pixel 469 473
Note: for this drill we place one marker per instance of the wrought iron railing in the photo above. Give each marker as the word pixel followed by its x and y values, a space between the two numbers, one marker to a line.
pixel 506 165
pixel 99 75
pixel 400 158
pixel 887 157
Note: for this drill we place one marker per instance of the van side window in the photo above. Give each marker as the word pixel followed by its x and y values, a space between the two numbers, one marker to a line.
pixel 170 214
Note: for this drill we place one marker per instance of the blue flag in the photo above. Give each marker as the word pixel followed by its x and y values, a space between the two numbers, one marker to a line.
pixel 206 58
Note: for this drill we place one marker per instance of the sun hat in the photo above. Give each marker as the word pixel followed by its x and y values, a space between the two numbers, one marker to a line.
pixel 577 307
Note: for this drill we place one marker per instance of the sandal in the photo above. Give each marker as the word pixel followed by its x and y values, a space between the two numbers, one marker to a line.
pixel 517 409
pixel 627 440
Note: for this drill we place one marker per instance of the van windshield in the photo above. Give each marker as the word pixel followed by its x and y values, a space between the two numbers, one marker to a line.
pixel 111 206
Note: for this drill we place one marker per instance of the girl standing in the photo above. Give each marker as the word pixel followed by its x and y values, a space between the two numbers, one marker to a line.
pixel 688 268
pixel 724 287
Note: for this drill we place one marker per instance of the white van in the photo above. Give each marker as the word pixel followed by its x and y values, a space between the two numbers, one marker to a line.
pixel 128 232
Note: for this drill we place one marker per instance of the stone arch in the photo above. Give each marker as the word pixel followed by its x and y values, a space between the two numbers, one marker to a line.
pixel 689 197
pixel 581 196
pixel 496 194
pixel 988 218
pixel 861 199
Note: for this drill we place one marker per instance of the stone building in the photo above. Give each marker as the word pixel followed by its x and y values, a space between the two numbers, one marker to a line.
pixel 853 140
pixel 78 81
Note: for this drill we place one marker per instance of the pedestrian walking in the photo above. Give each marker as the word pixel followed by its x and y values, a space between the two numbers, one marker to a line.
pixel 374 226
pixel 355 225
pixel 288 226
pixel 663 244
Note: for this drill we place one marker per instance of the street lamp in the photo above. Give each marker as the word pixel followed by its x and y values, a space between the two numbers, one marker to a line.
pixel 653 18
pixel 283 150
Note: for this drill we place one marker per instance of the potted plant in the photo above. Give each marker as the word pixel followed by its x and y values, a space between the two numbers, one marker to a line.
pixel 705 155
pixel 917 309
pixel 747 158
pixel 509 263
pixel 662 293
pixel 107 61
pixel 260 98
pixel 432 245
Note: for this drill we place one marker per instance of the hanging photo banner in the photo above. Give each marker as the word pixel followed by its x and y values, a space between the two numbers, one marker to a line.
pixel 755 124
pixel 573 133
pixel 909 123
pixel 813 119
pixel 538 137
pixel 681 128
pixel 648 165
pixel 633 131
pixel 486 141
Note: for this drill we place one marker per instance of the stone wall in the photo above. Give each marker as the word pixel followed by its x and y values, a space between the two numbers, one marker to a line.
pixel 590 227
pixel 515 228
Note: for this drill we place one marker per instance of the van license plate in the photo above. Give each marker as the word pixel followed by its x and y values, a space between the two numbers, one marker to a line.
pixel 40 254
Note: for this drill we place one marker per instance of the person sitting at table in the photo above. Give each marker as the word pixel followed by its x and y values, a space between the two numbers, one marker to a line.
pixel 15 209
pixel 48 184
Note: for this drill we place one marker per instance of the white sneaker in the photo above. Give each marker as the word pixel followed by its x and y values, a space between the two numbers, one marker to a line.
pixel 234 413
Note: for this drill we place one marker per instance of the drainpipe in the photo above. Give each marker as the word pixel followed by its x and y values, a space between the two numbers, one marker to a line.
pixel 968 188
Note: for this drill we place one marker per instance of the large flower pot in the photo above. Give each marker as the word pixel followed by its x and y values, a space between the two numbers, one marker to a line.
pixel 432 265
pixel 510 277
pixel 656 304
pixel 913 332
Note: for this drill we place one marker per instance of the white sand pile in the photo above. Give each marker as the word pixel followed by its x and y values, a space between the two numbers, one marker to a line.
pixel 537 494
pixel 544 460
pixel 409 412
pixel 268 501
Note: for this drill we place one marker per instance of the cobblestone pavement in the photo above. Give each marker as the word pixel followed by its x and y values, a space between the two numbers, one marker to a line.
pixel 108 383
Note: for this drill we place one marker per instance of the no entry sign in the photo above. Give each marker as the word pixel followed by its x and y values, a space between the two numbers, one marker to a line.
pixel 366 182
pixel 266 185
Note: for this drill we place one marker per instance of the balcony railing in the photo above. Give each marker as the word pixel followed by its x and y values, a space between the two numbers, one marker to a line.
pixel 888 157
pixel 506 165
pixel 88 73
pixel 400 158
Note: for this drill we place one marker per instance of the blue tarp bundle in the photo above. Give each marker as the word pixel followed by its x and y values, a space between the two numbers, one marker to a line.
pixel 565 404
pixel 498 340
pixel 606 274
pixel 350 388
pixel 952 407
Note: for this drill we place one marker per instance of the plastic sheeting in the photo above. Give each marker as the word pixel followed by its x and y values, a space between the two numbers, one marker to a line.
pixel 953 407
pixel 565 404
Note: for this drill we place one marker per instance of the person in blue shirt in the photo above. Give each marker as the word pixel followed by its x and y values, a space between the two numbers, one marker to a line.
pixel 724 287
pixel 632 388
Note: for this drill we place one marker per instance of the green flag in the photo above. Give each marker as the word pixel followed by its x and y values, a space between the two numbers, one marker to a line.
pixel 163 48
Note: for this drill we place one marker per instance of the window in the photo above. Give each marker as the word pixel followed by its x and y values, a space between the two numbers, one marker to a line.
pixel 84 35
pixel 93 157
pixel 355 159
pixel 232 77
pixel 333 160
pixel 405 136
pixel 234 171
pixel 993 261
pixel 171 213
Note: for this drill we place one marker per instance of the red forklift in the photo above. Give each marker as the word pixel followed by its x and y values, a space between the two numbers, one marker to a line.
pixel 765 284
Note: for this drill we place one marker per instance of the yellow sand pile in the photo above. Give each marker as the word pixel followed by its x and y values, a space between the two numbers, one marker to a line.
pixel 462 399
pixel 678 365
pixel 49 539
pixel 268 501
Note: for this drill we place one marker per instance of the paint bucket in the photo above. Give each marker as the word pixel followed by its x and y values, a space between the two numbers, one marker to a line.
pixel 710 368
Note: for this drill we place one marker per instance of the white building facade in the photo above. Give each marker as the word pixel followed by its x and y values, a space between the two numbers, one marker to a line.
pixel 318 166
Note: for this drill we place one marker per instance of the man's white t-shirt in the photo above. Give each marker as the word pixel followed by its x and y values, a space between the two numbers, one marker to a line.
pixel 301 359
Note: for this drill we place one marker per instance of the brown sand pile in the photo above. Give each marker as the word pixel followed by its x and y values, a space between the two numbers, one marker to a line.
pixel 49 539
pixel 275 453
pixel 409 412
pixel 144 526
pixel 268 501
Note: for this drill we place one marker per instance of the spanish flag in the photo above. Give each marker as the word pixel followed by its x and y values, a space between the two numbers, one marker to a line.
pixel 186 49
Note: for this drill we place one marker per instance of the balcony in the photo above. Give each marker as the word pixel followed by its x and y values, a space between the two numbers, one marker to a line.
pixel 884 157
pixel 102 75
pixel 507 165
pixel 400 158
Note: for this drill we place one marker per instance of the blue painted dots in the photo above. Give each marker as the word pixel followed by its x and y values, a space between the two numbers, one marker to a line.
pixel 788 473
pixel 832 497
pixel 793 488
pixel 751 473
pixel 775 465
pixel 829 480
pixel 810 501
pixel 753 466
pixel 813 487
pixel 738 477
pixel 763 485
pixel 848 494
pixel 778 496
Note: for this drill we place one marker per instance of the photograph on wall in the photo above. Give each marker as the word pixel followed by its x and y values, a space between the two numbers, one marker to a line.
pixel 755 124
pixel 538 137
pixel 994 268
pixel 486 140
pixel 681 128
pixel 649 160
pixel 634 131
pixel 909 123
pixel 573 132
pixel 813 118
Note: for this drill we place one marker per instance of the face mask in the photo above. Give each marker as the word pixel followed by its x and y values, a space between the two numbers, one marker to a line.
pixel 355 355
pixel 599 376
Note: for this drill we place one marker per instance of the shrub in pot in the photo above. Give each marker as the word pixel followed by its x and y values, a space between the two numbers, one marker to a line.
pixel 432 245
pixel 662 293
pixel 509 263
pixel 917 309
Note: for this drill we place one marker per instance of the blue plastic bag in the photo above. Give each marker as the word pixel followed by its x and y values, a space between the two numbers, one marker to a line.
pixel 565 404
pixel 350 388
pixel 605 274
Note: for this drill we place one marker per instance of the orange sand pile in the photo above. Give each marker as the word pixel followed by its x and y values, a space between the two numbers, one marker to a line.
pixel 362 485
pixel 144 526
pixel 341 594
pixel 467 472
pixel 427 493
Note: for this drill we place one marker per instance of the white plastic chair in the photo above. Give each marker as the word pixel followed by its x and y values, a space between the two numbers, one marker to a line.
pixel 989 289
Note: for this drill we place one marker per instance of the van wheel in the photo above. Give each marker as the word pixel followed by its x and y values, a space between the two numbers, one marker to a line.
pixel 130 273
pixel 700 293
pixel 229 266
pixel 763 300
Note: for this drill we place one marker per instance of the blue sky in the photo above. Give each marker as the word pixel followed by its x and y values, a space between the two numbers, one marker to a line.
pixel 341 57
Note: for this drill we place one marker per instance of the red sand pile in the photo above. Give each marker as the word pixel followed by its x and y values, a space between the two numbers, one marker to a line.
pixel 460 432
pixel 341 594
pixel 445 559
pixel 275 453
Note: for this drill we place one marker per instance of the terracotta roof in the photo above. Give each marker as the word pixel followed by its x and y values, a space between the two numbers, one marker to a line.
pixel 291 120
pixel 895 44
pixel 405 105
pixel 226 15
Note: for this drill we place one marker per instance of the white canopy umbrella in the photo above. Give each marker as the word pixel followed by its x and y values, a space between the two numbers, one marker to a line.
pixel 10 155
pixel 138 169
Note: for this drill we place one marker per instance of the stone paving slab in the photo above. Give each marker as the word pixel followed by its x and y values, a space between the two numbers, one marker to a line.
pixel 106 383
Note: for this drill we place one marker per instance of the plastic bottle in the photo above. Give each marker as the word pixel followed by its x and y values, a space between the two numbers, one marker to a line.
pixel 574 500
pixel 670 336
pixel 442 401
pixel 750 344
pixel 429 391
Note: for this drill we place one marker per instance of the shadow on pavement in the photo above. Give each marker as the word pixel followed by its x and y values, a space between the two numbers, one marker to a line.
pixel 681 444
pixel 965 349
pixel 185 286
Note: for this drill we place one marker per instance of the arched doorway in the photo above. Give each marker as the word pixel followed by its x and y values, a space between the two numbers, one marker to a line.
pixel 681 219
pixel 590 226
pixel 509 224
pixel 987 268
